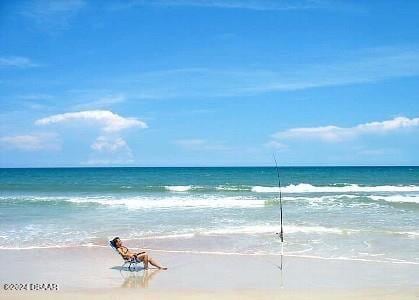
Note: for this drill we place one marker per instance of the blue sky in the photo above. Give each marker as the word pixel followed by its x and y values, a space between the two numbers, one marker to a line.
pixel 208 83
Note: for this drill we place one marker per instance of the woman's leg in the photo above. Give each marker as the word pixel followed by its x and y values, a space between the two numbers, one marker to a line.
pixel 156 264
pixel 144 258
pixel 147 259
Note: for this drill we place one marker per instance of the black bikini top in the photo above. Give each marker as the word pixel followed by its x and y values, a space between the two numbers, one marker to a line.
pixel 126 249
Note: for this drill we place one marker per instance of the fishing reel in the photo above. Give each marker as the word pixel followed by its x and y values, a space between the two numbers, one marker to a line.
pixel 281 235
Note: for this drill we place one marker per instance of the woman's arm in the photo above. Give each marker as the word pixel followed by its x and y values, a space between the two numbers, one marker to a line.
pixel 125 253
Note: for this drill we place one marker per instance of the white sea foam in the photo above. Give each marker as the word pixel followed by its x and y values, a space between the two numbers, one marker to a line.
pixel 150 202
pixel 189 234
pixel 230 253
pixel 178 188
pixel 175 202
pixel 233 188
pixel 169 236
pixel 412 234
pixel 40 247
pixel 384 260
pixel 185 201
pixel 397 198
pixel 271 228
pixel 352 188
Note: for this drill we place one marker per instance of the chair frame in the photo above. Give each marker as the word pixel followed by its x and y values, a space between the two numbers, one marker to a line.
pixel 131 261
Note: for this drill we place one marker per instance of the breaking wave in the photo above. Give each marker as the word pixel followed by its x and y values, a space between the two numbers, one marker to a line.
pixel 178 188
pixel 351 188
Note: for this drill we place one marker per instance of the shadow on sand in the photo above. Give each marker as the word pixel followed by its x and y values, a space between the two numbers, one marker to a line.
pixel 140 278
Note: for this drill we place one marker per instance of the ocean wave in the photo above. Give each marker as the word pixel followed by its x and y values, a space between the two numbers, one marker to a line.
pixel 166 236
pixel 126 187
pixel 178 202
pixel 232 188
pixel 274 228
pixel 309 235
pixel 352 188
pixel 357 200
pixel 138 202
pixel 178 188
pixel 385 260
pixel 87 245
pixel 258 229
pixel 186 200
pixel 411 234
pixel 396 198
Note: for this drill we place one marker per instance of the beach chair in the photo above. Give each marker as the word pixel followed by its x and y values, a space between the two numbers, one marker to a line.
pixel 131 262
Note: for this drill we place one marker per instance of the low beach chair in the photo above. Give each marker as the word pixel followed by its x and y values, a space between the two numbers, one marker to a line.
pixel 132 262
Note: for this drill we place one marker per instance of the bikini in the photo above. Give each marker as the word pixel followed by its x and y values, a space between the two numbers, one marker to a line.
pixel 135 254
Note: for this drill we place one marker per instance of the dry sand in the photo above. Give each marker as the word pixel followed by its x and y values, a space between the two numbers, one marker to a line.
pixel 94 273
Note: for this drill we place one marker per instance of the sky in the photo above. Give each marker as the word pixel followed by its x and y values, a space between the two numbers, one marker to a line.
pixel 209 83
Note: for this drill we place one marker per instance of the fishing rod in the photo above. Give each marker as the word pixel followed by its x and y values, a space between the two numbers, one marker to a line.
pixel 281 233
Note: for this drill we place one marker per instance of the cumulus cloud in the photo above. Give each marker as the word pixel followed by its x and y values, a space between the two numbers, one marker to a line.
pixel 104 162
pixel 109 147
pixel 110 150
pixel 333 133
pixel 109 121
pixel 32 142
pixel 104 143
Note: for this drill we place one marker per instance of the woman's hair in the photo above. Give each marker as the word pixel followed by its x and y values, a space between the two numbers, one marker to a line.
pixel 113 242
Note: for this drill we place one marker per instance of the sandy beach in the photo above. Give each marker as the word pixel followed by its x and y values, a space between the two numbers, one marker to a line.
pixel 95 272
pixel 255 149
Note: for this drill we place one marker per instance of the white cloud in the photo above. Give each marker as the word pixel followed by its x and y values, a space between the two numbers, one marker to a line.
pixel 109 121
pixel 107 162
pixel 108 148
pixel 17 62
pixel 334 133
pixel 110 151
pixel 104 143
pixel 33 142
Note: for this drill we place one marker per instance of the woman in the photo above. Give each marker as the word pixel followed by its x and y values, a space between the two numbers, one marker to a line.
pixel 140 257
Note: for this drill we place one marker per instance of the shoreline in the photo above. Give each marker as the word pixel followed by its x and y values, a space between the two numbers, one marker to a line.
pixel 221 253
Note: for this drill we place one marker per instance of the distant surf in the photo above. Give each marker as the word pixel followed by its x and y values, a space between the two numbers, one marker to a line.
pixel 351 188
pixel 178 188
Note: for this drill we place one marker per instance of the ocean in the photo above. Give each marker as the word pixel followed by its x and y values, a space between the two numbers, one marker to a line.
pixel 348 213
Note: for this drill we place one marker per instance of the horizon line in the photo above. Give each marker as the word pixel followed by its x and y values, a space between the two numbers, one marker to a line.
pixel 225 166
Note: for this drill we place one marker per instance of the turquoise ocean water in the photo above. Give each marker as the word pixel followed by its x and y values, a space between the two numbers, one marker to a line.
pixel 368 213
